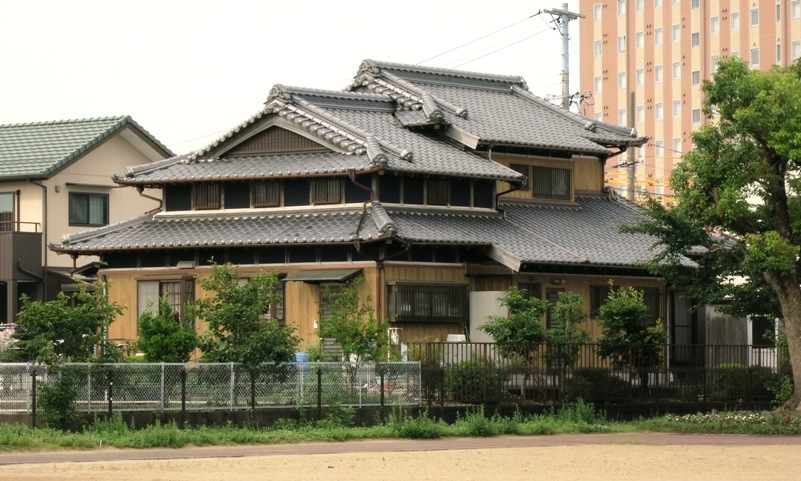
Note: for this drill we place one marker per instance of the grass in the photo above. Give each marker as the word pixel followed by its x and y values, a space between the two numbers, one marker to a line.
pixel 578 417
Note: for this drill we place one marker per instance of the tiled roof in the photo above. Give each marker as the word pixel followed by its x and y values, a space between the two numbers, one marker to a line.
pixel 496 109
pixel 332 225
pixel 35 150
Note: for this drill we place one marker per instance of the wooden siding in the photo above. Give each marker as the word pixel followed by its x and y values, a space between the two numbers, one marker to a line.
pixel 587 172
pixel 276 140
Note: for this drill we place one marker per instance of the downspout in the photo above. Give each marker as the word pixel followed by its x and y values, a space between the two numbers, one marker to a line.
pixel 44 235
pixel 352 177
pixel 499 194
pixel 141 190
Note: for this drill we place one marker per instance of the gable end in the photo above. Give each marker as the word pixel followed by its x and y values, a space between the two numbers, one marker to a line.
pixel 276 140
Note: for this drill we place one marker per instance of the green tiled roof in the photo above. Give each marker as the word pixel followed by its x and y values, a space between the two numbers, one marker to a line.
pixel 35 150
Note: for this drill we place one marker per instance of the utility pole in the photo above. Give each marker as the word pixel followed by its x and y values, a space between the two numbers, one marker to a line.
pixel 562 17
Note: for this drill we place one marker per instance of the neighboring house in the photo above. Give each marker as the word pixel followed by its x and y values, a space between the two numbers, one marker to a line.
pixel 442 188
pixel 56 179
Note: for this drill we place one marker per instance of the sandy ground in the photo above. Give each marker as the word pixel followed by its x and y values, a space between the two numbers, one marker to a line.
pixel 620 461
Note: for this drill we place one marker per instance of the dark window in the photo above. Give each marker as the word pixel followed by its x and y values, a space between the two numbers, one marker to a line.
pixel 438 191
pixel 88 209
pixel 241 256
pixel 237 195
pixel 355 193
pixel 327 191
pixel 651 299
pixel 177 292
pixel 428 303
pixel 762 331
pixel 525 170
pixel 206 195
pixel 302 254
pixel 389 188
pixel 325 305
pixel 531 289
pixel 272 255
pixel 7 216
pixel 276 310
pixel 266 193
pixel 296 192
pixel 550 182
pixel 205 256
pixel 483 193
pixel 413 190
pixel 460 192
pixel 552 296
pixel 334 253
pixel 178 197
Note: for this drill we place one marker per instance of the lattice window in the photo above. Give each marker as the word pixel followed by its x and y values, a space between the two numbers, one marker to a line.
pixel 207 195
pixel 438 191
pixel 412 302
pixel 266 193
pixel 551 182
pixel 327 191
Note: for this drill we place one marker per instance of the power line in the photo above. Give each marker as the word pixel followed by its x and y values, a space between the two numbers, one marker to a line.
pixel 477 39
pixel 498 50
pixel 502 42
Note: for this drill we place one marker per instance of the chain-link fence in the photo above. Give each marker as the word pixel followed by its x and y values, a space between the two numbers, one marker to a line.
pixel 216 386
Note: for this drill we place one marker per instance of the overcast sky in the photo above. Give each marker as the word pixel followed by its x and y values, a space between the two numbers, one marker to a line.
pixel 187 71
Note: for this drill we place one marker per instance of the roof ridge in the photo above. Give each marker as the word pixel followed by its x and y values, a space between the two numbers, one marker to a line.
pixel 282 213
pixel 66 121
pixel 133 170
pixel 375 66
pixel 386 226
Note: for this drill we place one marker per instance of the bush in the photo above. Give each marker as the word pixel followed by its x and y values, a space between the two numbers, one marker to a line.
pixel 421 427
pixel 734 381
pixel 56 401
pixel 596 384
pixel 474 382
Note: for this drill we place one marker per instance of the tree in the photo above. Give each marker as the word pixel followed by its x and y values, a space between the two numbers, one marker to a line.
pixel 629 337
pixel 237 329
pixel 67 328
pixel 163 337
pixel 566 338
pixel 353 324
pixel 737 203
pixel 518 333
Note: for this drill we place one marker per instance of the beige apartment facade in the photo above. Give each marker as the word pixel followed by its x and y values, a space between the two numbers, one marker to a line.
pixel 644 62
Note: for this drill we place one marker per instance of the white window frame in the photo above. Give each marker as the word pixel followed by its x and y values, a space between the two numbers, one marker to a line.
pixel 658 74
pixel 696 116
pixel 640 114
pixel 658 36
pixel 714 25
pixel 597 48
pixel 713 63
pixel 596 12
pixel 676 71
pixel 735 20
pixel 795 8
pixel 621 7
pixel 695 39
pixel 639 40
pixel 640 75
pixel 676 33
pixel 598 82
pixel 621 80
pixel 659 112
pixel 659 148
pixel 755 57
pixel 621 118
pixel 696 77
pixel 754 17
pixel 677 147
pixel 676 109
pixel 796 49
pixel 621 43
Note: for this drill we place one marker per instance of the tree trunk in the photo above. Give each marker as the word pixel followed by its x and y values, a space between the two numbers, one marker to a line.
pixel 789 293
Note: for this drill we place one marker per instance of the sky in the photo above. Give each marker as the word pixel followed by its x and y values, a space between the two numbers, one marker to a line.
pixel 188 71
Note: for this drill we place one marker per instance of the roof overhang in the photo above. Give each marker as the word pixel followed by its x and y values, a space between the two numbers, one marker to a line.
pixel 323 276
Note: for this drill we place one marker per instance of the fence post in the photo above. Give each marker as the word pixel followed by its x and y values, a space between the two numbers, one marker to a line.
pixel 253 375
pixel 33 398
pixel 183 396
pixel 162 387
pixel 232 382
pixel 110 379
pixel 319 393
pixel 381 379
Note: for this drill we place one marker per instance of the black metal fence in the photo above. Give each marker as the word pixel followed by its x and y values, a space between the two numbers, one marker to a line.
pixel 478 373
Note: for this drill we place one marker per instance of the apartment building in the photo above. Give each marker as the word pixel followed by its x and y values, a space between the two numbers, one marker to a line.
pixel 644 62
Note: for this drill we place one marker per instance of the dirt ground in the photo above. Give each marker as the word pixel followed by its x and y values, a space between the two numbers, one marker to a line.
pixel 612 458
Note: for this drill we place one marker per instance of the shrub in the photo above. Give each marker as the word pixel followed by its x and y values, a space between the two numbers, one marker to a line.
pixel 473 382
pixel 56 401
pixel 596 384
pixel 421 427
pixel 734 381
pixel 476 424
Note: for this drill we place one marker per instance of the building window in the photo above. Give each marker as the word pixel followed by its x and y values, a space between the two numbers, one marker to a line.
pixel 206 195
pixel 714 25
pixel 621 7
pixel 795 6
pixel 676 33
pixel 598 83
pixel 639 5
pixel 754 17
pixel 676 108
pixel 326 191
pixel 428 303
pixel 659 112
pixel 696 77
pixel 597 48
pixel 88 209
pixel 525 170
pixel 696 116
pixel 639 40
pixel 651 299
pixel 713 62
pixel 640 77
pixel 677 71
pixel 796 49
pixel 551 182
pixel 778 53
pixel 754 57
pixel 735 54
pixel 438 191
pixel 778 12
pixel 677 148
pixel 178 292
pixel 532 290
pixel 657 3
pixel 621 117
pixel 658 36
pixel 696 4
pixel 266 193
pixel 640 114
pixel 599 117
pixel 596 12
pixel 659 148
pixel 621 80
pixel 658 73
pixel 735 21
pixel 695 39
pixel 621 43
pixel 7 212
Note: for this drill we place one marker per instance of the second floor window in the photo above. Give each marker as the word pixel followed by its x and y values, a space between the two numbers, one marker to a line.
pixel 551 182
pixel 327 191
pixel 266 193
pixel 88 209
pixel 438 191
pixel 7 211
pixel 207 195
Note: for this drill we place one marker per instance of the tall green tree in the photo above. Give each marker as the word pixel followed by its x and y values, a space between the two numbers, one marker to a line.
pixel 69 328
pixel 237 329
pixel 519 332
pixel 737 200
pixel 164 337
